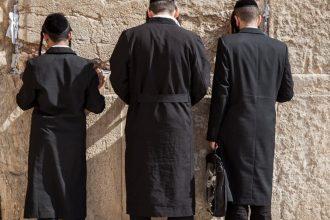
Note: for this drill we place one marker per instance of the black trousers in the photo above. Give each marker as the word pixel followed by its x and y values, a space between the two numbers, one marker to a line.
pixel 241 212
pixel 170 218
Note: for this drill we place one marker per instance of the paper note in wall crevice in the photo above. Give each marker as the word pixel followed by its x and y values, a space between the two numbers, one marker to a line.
pixel 12 31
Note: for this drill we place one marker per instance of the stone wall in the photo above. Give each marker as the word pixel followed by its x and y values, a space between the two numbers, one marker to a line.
pixel 301 183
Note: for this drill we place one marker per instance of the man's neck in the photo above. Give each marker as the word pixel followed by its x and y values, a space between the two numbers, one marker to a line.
pixel 164 14
pixel 249 26
pixel 167 15
pixel 59 44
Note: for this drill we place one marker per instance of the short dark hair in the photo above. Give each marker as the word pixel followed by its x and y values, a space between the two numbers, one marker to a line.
pixel 58 38
pixel 163 5
pixel 247 14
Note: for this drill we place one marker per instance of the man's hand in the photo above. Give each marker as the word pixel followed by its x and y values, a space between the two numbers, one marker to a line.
pixel 213 145
pixel 102 78
pixel 33 54
pixel 24 57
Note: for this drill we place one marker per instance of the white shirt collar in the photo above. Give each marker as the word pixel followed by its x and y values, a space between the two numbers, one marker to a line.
pixel 169 17
pixel 60 46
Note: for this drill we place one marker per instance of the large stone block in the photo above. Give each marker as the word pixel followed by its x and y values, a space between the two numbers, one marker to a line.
pixel 3 60
pixel 104 162
pixel 301 180
pixel 14 134
pixel 93 29
pixel 304 25
pixel 1 15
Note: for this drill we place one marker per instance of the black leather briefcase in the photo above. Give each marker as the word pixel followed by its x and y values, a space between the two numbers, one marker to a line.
pixel 218 193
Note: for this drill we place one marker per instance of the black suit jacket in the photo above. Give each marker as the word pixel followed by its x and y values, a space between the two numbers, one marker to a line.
pixel 59 85
pixel 252 72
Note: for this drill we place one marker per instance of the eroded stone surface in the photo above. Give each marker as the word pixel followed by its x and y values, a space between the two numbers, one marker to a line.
pixel 14 132
pixel 304 25
pixel 301 183
pixel 104 162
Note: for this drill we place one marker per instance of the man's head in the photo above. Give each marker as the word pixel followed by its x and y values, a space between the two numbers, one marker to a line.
pixel 167 7
pixel 247 14
pixel 56 30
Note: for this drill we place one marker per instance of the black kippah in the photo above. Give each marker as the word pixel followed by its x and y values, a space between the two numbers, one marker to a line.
pixel 245 3
pixel 56 24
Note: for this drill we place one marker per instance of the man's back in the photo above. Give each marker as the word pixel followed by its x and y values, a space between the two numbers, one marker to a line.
pixel 252 73
pixel 158 61
pixel 61 83
pixel 257 64
pixel 162 59
pixel 59 86
pixel 160 70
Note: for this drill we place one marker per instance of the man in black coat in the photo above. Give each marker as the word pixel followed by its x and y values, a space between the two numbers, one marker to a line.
pixel 59 85
pixel 160 70
pixel 252 72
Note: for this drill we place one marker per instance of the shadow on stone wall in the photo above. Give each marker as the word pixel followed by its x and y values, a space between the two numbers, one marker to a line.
pixel 104 162
pixel 106 123
pixel 14 139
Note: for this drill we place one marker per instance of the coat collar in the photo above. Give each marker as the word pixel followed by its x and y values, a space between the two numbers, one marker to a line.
pixel 170 17
pixel 251 31
pixel 60 50
pixel 161 20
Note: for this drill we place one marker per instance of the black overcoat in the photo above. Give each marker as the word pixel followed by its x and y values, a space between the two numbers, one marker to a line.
pixel 160 70
pixel 59 85
pixel 252 72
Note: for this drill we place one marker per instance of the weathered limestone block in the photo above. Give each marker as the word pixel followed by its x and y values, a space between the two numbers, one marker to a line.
pixel 96 24
pixel 304 25
pixel 1 15
pixel 104 162
pixel 14 133
pixel 302 183
pixel 301 180
pixel 3 60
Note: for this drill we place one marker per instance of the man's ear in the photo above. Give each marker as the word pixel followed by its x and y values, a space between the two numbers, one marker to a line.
pixel 70 35
pixel 260 19
pixel 176 13
pixel 46 37
pixel 238 21
pixel 48 40
pixel 150 13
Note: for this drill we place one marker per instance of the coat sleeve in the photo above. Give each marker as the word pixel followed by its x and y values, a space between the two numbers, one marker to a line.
pixel 94 100
pixel 200 73
pixel 26 97
pixel 119 63
pixel 220 92
pixel 286 92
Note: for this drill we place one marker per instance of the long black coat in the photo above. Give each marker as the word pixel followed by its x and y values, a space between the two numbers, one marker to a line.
pixel 160 70
pixel 252 73
pixel 59 85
